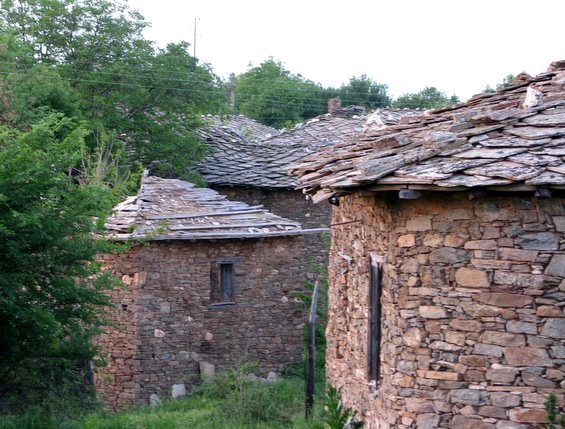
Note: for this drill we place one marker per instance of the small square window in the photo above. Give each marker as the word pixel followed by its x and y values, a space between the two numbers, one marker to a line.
pixel 222 279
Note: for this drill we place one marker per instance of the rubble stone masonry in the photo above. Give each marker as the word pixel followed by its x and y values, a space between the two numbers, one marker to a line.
pixel 291 205
pixel 164 325
pixel 473 298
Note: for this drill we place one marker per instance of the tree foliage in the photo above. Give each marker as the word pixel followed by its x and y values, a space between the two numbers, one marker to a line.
pixel 428 98
pixel 272 95
pixel 84 34
pixel 50 289
pixel 506 83
pixel 149 98
pixel 363 91
pixel 85 101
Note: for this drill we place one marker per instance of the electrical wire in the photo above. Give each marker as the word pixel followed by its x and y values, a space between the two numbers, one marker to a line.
pixel 189 73
pixel 217 92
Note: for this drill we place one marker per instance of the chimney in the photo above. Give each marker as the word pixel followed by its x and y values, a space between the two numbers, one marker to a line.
pixel 334 104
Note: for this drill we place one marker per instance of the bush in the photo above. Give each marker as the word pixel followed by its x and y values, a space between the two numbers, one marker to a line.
pixel 249 401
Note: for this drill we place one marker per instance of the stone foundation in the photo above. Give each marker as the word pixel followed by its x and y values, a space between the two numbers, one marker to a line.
pixel 473 325
pixel 164 325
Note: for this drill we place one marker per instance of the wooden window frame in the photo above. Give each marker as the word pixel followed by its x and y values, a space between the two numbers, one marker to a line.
pixel 227 282
pixel 374 328
pixel 222 283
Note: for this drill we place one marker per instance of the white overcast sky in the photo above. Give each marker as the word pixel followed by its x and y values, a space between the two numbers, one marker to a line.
pixel 457 46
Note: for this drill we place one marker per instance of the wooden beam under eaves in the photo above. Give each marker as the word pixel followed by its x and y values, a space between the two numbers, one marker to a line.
pixel 205 214
pixel 233 226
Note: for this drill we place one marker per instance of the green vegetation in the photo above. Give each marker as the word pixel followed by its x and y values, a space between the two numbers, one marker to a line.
pixel 363 91
pixel 506 83
pixel 230 401
pixel 336 415
pixel 272 95
pixel 50 286
pixel 88 60
pixel 427 98
pixel 555 419
pixel 85 103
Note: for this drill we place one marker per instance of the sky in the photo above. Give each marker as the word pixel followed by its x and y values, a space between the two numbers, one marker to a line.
pixel 457 46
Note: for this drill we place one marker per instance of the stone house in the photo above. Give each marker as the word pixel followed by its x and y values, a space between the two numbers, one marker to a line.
pixel 211 284
pixel 447 262
pixel 249 162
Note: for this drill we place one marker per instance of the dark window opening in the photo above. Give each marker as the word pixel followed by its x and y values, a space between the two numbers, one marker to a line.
pixel 375 321
pixel 227 277
pixel 222 279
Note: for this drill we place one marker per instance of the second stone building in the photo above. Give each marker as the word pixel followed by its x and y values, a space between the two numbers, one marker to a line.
pixel 206 283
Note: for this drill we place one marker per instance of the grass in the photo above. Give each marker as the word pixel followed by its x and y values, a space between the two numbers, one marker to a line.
pixel 230 401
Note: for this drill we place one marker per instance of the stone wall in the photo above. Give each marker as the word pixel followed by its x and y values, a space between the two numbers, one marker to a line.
pixel 292 205
pixel 473 325
pixel 164 325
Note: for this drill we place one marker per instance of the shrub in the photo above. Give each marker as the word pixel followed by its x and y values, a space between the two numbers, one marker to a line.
pixel 553 417
pixel 250 401
pixel 335 415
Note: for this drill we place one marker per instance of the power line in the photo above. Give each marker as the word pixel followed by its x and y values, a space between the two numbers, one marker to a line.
pixel 168 79
pixel 169 88
pixel 137 76
pixel 189 73
pixel 306 102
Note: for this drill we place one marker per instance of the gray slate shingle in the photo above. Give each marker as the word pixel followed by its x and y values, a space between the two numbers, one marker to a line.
pixel 513 138
pixel 166 209
pixel 245 154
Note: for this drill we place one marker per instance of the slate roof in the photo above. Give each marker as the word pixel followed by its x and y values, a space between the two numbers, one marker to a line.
pixel 170 209
pixel 239 161
pixel 513 139
pixel 235 129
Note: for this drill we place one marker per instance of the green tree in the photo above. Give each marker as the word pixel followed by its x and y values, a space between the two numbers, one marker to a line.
pixel 272 95
pixel 84 100
pixel 506 83
pixel 363 91
pixel 149 98
pixel 316 101
pixel 85 34
pixel 428 98
pixel 51 292
pixel 155 106
pixel 37 94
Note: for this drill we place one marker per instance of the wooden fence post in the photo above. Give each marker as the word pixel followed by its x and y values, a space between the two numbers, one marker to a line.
pixel 311 364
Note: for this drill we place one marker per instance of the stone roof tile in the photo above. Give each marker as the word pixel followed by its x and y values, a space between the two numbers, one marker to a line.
pixel 266 153
pixel 170 209
pixel 514 137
